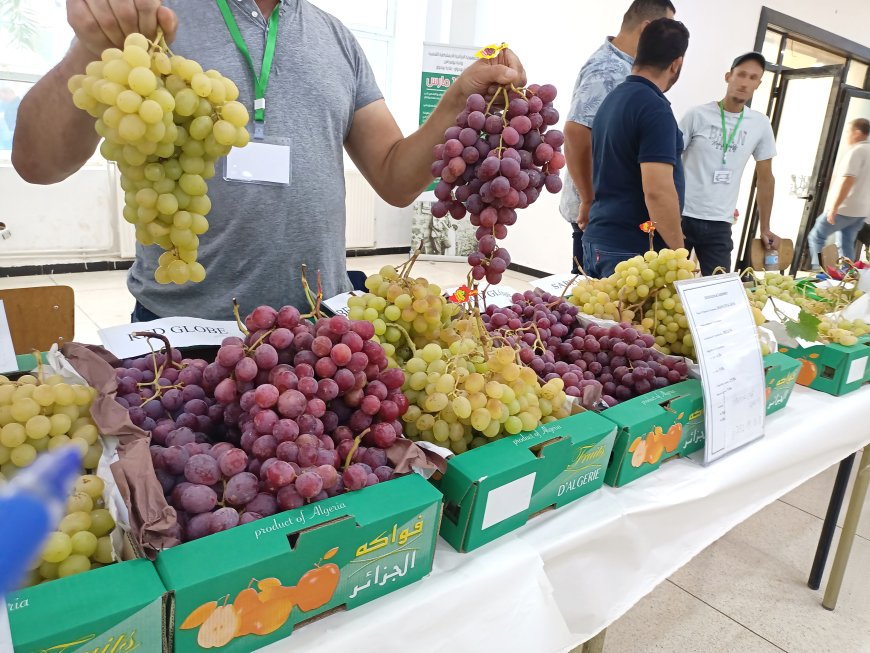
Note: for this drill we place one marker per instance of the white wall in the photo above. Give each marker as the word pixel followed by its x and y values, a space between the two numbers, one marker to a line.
pixel 554 51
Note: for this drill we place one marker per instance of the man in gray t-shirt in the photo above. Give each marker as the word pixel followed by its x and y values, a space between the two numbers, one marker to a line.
pixel 606 69
pixel 321 99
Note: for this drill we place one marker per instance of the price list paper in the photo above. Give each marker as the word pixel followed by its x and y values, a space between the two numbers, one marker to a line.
pixel 729 356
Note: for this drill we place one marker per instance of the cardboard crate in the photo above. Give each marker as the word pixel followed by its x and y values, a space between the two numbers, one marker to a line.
pixel 653 428
pixel 496 488
pixel 832 368
pixel 780 377
pixel 251 585
pixel 119 607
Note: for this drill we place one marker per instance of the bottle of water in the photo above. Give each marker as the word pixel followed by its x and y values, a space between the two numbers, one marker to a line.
pixel 771 260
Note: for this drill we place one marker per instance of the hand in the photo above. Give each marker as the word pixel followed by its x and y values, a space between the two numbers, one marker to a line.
pixel 832 217
pixel 770 239
pixel 583 215
pixel 485 75
pixel 101 24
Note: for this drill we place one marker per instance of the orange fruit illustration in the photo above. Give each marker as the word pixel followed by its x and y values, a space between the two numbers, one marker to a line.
pixel 247 600
pixel 671 439
pixel 316 587
pixel 219 628
pixel 267 617
pixel 808 372
pixel 199 615
pixel 639 456
pixel 634 444
pixel 654 450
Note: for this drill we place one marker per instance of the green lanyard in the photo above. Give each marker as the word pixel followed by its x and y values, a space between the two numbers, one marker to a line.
pixel 728 139
pixel 261 80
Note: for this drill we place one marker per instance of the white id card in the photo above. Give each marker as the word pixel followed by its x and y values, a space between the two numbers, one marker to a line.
pixel 722 176
pixel 259 162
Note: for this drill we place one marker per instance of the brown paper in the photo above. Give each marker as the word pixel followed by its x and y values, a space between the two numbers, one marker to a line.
pixel 405 454
pixel 153 522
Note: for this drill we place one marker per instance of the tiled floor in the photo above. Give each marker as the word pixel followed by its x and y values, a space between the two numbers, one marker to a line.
pixel 745 593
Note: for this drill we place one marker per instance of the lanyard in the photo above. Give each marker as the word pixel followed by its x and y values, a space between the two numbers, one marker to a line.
pixel 261 80
pixel 728 139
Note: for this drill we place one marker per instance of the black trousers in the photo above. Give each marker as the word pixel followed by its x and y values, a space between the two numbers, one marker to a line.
pixel 577 235
pixel 711 240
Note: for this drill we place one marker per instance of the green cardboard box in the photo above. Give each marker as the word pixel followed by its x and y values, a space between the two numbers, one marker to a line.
pixel 780 377
pixel 496 488
pixel 653 428
pixel 243 588
pixel 832 368
pixel 119 607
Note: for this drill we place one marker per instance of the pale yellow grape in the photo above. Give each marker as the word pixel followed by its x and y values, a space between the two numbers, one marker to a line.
pixel 92 457
pixel 178 272
pixel 160 63
pixel 87 432
pixel 90 484
pixel 186 102
pixel 161 275
pixel 224 132
pixel 84 543
pixel 187 68
pixel 235 113
pixel 37 427
pixel 79 501
pixel 23 455
pixel 104 554
pixel 167 204
pixel 186 255
pixel 75 522
pixel 151 113
pixel 57 547
pixel 136 40
pixel 142 80
pixel 137 56
pixel 23 407
pixel 196 271
pixel 75 564
pixel 13 435
pixel 48 570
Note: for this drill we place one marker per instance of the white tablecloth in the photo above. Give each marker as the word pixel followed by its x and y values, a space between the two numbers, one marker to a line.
pixel 568 574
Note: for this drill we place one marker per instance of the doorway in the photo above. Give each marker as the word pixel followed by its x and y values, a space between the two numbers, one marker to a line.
pixel 814 85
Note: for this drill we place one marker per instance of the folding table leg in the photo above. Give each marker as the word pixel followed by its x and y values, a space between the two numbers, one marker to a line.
pixel 829 526
pixel 596 644
pixel 850 527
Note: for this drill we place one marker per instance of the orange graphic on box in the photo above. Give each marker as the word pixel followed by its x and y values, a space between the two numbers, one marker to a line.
pixel 262 612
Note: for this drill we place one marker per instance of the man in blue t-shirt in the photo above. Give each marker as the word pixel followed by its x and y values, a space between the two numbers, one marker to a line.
pixel 636 153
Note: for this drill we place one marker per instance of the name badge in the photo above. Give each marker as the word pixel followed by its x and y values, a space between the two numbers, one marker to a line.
pixel 722 176
pixel 259 162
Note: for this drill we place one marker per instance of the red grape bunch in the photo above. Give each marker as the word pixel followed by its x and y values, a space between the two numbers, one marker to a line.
pixel 615 361
pixel 496 159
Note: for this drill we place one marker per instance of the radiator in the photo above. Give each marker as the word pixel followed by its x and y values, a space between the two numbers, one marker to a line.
pixel 360 202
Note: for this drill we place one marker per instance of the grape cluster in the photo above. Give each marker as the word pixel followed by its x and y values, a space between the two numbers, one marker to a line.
pixel 830 300
pixel 497 159
pixel 36 416
pixel 616 362
pixel 462 397
pixel 406 312
pixel 295 412
pixel 165 122
pixel 82 540
pixel 641 291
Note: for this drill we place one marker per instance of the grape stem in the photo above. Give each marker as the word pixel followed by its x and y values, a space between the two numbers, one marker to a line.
pixel 238 317
pixel 40 367
pixel 356 443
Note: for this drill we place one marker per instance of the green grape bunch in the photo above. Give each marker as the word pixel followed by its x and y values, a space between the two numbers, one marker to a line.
pixel 464 395
pixel 165 122
pixel 41 414
pixel 82 540
pixel 407 313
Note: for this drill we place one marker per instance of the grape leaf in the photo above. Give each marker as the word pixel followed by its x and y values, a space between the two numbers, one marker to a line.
pixel 806 327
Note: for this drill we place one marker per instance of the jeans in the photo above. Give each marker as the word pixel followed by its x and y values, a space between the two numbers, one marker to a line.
pixel 711 240
pixel 142 314
pixel 577 235
pixel 823 229
pixel 600 261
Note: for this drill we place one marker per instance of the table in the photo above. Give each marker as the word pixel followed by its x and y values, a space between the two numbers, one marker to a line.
pixel 568 574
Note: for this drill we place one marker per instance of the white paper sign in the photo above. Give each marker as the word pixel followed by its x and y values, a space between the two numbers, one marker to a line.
pixel 8 362
pixel 338 304
pixel 499 296
pixel 508 500
pixel 732 370
pixel 181 331
pixel 556 284
pixel 857 370
pixel 259 162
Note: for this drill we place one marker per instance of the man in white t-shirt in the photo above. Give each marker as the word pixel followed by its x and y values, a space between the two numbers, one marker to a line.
pixel 718 139
pixel 851 204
